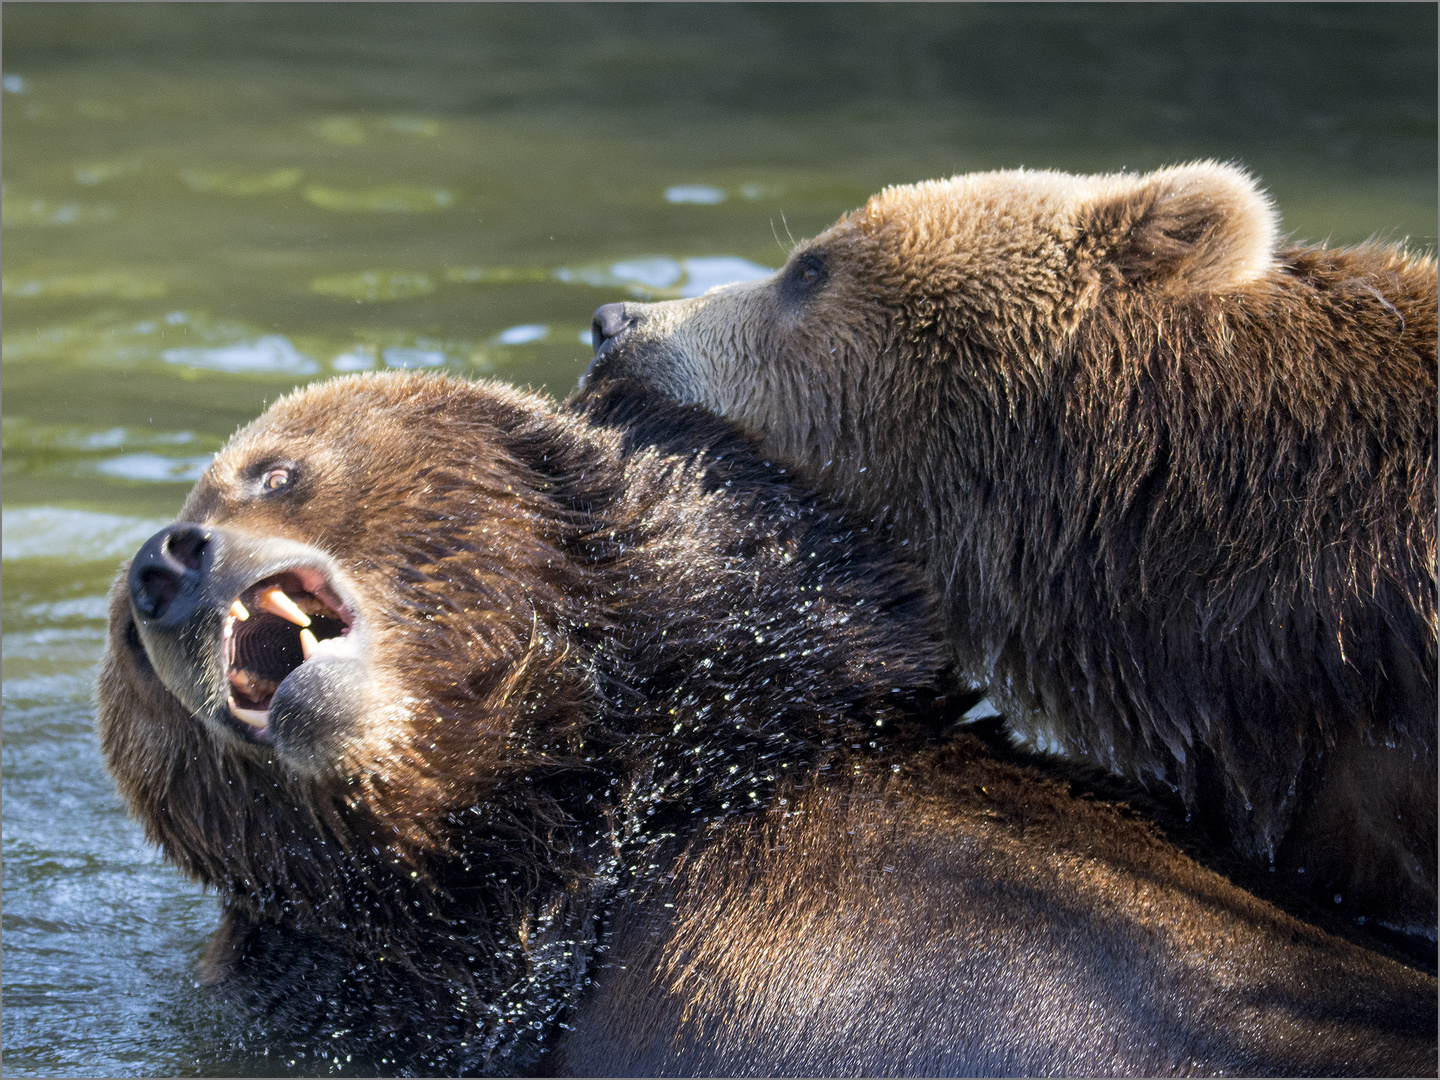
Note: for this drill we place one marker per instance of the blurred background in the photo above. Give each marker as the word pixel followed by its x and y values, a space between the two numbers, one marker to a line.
pixel 205 205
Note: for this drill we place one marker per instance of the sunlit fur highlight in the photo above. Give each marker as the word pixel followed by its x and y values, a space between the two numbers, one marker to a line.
pixel 1174 478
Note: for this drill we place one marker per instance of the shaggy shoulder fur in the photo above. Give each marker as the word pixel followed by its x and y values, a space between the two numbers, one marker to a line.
pixel 1175 481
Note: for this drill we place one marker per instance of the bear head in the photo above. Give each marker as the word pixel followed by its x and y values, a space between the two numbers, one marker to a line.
pixel 948 272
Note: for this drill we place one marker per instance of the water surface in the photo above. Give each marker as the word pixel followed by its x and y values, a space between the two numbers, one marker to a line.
pixel 207 205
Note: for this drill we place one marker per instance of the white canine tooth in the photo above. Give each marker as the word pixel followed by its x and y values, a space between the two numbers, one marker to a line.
pixel 259 719
pixel 238 610
pixel 307 644
pixel 276 602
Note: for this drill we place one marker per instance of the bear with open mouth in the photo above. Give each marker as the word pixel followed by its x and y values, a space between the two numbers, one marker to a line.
pixel 522 740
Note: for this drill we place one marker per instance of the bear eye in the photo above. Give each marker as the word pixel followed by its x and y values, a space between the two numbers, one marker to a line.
pixel 804 277
pixel 282 476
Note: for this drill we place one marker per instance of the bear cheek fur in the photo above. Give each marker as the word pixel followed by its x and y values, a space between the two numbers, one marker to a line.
pixel 796 376
pixel 739 352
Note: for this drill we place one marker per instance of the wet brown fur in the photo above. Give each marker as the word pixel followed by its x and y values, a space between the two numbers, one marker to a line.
pixel 576 726
pixel 964 916
pixel 545 602
pixel 1175 481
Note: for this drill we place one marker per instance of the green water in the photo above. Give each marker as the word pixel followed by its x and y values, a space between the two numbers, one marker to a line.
pixel 206 205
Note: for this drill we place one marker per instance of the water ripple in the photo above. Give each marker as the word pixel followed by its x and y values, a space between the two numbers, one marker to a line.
pixel 703 194
pixel 661 277
pixel 50 532
pixel 270 354
pixel 154 469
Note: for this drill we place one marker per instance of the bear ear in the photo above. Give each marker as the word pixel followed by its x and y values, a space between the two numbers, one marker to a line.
pixel 1199 226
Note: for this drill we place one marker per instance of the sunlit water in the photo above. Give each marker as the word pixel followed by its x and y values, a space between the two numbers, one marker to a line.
pixel 204 206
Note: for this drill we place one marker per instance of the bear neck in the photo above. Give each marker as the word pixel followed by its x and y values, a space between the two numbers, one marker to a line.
pixel 1132 459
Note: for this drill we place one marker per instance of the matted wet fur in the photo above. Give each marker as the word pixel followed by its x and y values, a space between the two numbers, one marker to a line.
pixel 607 753
pixel 1174 479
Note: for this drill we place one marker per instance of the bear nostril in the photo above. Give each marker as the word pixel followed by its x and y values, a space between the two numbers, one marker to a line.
pixel 610 321
pixel 160 568
pixel 155 592
pixel 186 545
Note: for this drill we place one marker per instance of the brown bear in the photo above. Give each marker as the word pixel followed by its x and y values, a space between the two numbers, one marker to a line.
pixel 515 740
pixel 1175 481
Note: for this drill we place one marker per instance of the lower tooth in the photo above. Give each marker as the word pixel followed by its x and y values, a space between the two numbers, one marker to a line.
pixel 344 646
pixel 255 718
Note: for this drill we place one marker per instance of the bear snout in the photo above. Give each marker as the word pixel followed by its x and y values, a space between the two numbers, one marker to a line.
pixel 166 573
pixel 632 342
pixel 238 627
pixel 607 331
pixel 611 320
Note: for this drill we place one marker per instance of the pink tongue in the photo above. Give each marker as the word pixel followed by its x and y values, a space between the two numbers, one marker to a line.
pixel 251 686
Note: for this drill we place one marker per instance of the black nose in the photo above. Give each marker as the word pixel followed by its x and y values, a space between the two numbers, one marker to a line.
pixel 169 565
pixel 610 321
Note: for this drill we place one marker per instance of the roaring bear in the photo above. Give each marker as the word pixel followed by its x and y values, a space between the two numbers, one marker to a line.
pixel 1175 480
pixel 517 740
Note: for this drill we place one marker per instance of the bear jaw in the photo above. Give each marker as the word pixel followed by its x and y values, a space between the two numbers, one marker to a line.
pixel 231 659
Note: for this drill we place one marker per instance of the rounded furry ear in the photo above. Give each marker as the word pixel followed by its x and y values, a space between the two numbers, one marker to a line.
pixel 1199 226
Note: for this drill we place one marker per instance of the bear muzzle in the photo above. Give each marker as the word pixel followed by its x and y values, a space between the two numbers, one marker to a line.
pixel 632 342
pixel 607 330
pixel 260 635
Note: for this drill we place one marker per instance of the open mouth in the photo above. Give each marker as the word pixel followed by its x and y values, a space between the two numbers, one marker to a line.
pixel 271 629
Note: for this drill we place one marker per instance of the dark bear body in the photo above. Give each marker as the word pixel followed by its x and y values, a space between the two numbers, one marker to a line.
pixel 1175 482
pixel 599 754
